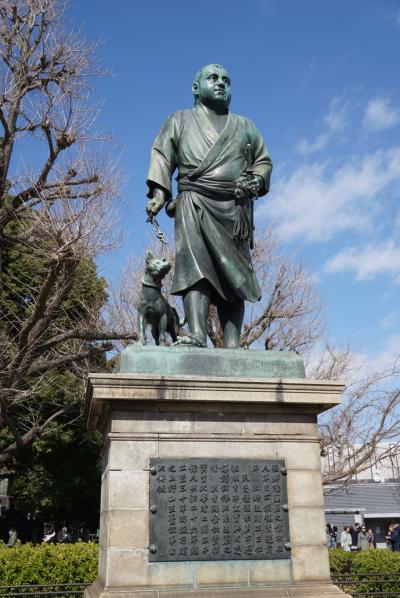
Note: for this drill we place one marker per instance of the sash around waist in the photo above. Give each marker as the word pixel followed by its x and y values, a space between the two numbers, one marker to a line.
pixel 222 190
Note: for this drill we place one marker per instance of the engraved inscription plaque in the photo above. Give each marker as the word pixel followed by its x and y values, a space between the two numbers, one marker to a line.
pixel 218 509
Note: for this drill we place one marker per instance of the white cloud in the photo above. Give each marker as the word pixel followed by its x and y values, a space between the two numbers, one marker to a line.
pixel 380 115
pixel 314 203
pixel 383 359
pixel 388 355
pixel 383 258
pixel 390 320
pixel 333 122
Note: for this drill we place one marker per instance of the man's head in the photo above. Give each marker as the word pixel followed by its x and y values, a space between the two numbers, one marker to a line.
pixel 212 87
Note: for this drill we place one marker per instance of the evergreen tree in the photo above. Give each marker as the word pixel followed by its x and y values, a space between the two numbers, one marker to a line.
pixel 55 218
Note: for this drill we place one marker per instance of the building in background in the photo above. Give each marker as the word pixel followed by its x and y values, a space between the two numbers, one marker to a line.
pixel 371 497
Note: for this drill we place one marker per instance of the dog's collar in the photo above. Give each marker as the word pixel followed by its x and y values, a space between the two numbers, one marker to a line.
pixel 152 285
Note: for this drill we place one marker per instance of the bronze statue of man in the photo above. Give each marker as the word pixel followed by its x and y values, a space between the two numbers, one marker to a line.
pixel 211 148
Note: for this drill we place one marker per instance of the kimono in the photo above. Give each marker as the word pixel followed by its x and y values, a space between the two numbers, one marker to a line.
pixel 209 163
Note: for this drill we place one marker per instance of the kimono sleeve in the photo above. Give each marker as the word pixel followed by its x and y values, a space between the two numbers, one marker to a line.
pixel 163 155
pixel 262 163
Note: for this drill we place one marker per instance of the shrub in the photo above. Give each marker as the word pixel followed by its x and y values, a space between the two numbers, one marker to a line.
pixel 48 563
pixel 366 562
pixel 77 563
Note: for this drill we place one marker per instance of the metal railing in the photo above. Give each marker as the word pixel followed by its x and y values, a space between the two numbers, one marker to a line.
pixel 67 590
pixel 385 585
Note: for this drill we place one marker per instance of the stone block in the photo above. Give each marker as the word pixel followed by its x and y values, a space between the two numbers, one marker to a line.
pixel 217 423
pixel 128 528
pixel 304 488
pixel 221 572
pixel 151 422
pixel 310 563
pixel 128 490
pixel 104 463
pixel 102 568
pixel 307 526
pixel 131 568
pixel 132 455
pixel 238 449
pixel 227 593
pixel 126 567
pixel 104 499
pixel 129 594
pixel 103 527
pixel 302 455
pixel 171 574
pixel 96 590
pixel 261 572
pixel 279 423
pixel 317 590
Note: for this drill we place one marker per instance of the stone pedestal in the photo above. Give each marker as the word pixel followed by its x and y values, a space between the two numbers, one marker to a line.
pixel 244 415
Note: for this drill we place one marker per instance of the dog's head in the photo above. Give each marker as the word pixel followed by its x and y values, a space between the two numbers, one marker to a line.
pixel 157 268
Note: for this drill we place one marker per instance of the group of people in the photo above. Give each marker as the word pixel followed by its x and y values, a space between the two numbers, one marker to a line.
pixel 358 537
pixel 52 536
pixel 18 528
pixel 63 536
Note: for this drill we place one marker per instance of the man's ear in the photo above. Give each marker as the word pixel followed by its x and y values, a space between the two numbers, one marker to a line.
pixel 149 256
pixel 195 88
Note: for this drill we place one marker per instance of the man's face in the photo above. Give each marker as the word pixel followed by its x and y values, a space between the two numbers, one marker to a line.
pixel 213 88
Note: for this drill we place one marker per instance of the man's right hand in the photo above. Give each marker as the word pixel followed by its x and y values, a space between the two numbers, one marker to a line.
pixel 155 203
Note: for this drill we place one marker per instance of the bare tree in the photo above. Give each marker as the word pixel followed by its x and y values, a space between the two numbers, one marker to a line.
pixel 365 427
pixel 56 206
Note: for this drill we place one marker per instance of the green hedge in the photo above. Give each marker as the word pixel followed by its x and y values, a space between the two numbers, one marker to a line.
pixel 48 563
pixel 77 563
pixel 369 561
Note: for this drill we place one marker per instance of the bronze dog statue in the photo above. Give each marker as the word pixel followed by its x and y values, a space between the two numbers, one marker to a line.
pixel 153 308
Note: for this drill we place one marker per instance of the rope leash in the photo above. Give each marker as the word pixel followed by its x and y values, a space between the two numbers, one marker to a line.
pixel 159 234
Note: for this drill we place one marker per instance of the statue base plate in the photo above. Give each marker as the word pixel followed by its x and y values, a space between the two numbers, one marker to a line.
pixel 187 361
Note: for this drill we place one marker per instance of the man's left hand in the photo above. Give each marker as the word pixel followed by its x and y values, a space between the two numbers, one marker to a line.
pixel 256 184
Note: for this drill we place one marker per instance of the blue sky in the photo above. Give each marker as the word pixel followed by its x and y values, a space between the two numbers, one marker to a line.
pixel 321 79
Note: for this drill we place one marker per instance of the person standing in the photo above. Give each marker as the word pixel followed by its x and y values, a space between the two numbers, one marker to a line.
pixel 345 539
pixel 13 537
pixel 330 536
pixel 363 543
pixel 354 538
pixel 50 536
pixel 395 537
pixel 371 538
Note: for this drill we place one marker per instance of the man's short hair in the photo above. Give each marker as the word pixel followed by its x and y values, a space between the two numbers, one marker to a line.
pixel 200 72
pixel 203 68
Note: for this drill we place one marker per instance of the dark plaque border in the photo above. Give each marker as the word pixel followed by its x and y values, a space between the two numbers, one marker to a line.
pixel 218 509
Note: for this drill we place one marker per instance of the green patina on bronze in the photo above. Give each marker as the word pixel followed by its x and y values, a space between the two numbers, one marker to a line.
pixel 191 361
pixel 210 148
